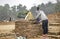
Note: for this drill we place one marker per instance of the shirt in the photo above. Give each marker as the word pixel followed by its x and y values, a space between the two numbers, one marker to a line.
pixel 41 15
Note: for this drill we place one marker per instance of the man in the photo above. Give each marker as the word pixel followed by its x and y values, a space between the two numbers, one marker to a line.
pixel 41 17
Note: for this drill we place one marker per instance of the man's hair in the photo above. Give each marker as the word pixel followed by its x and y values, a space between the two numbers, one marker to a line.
pixel 37 8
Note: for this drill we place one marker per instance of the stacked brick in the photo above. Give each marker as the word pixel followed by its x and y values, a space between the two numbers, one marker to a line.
pixel 7 30
pixel 54 23
pixel 7 36
pixel 27 28
pixel 54 18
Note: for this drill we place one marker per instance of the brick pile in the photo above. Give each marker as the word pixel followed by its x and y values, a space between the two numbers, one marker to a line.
pixel 7 36
pixel 7 30
pixel 54 23
pixel 54 18
pixel 27 28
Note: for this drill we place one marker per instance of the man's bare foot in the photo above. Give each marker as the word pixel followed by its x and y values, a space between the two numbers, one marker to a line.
pixel 45 36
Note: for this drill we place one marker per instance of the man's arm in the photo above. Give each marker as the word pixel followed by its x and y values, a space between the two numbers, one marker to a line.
pixel 37 15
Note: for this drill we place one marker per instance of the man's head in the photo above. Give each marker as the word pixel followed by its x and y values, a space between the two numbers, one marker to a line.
pixel 37 8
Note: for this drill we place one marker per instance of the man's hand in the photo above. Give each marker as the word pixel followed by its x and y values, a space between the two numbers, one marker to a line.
pixel 40 21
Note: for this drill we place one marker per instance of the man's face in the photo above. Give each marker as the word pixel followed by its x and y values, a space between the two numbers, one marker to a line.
pixel 37 8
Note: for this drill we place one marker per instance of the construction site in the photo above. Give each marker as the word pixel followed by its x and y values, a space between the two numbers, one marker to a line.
pixel 27 30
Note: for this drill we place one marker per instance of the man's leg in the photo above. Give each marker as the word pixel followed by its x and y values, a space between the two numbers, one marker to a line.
pixel 45 28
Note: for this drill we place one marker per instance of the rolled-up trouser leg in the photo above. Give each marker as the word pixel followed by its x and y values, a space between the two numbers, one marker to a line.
pixel 45 26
